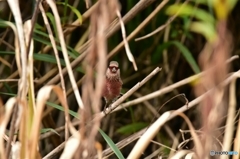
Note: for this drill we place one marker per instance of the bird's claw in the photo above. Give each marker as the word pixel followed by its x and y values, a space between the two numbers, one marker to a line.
pixel 107 106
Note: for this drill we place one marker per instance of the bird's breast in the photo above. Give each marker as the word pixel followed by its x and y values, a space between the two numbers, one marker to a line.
pixel 112 89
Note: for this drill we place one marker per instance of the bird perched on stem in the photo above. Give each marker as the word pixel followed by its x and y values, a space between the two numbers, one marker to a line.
pixel 113 84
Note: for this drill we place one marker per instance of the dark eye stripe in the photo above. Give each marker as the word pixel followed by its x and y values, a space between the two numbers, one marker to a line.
pixel 111 67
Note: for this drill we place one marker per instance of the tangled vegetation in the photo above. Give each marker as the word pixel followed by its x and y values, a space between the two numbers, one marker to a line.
pixel 178 62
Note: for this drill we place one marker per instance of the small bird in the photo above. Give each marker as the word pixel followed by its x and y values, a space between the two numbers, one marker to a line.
pixel 113 84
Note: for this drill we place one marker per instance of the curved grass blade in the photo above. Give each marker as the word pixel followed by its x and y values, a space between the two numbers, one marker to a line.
pixel 189 10
pixel 73 53
pixel 185 52
pixel 78 14
pixel 131 128
pixel 51 17
pixel 111 145
pixel 72 113
pixel 44 58
pixel 44 130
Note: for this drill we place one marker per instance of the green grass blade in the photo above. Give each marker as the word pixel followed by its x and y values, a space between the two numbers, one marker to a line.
pixel 74 114
pixel 43 41
pixel 73 53
pixel 44 58
pixel 131 128
pixel 188 56
pixel 206 29
pixel 111 145
pixel 51 17
pixel 185 52
pixel 189 10
pixel 75 10
pixel 44 130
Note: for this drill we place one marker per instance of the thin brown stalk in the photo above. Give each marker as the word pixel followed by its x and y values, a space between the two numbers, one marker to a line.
pixel 162 26
pixel 65 54
pixel 55 151
pixel 168 88
pixel 42 97
pixel 128 52
pixel 148 135
pixel 236 146
pixel 112 29
pixel 56 55
pixel 139 28
pixel 182 109
pixel 227 140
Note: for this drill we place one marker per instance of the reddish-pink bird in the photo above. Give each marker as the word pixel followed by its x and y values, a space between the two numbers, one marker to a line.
pixel 113 83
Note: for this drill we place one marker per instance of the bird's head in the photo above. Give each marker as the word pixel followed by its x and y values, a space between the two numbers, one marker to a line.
pixel 113 72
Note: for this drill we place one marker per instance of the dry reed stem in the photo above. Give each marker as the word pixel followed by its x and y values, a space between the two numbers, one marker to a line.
pixel 46 76
pixel 168 88
pixel 14 5
pixel 181 154
pixel 42 97
pixel 157 143
pixel 92 89
pixel 147 136
pixel 160 92
pixel 145 139
pixel 236 146
pixel 197 142
pixel 74 25
pixel 3 124
pixel 165 51
pixel 54 48
pixel 162 26
pixel 112 28
pixel 65 54
pixel 55 151
pixel 140 26
pixel 135 10
pixel 182 109
pixel 28 105
pixel 174 86
pixel 69 91
pixel 85 15
pixel 4 62
pixel 33 21
pixel 127 49
pixel 165 90
pixel 9 80
pixel 213 107
pixel 31 93
pixel 74 63
pixel 229 130
pixel 70 148
pixel 115 25
pixel 114 105
pixel 21 63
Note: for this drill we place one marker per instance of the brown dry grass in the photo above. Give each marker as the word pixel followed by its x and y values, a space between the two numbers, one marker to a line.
pixel 60 64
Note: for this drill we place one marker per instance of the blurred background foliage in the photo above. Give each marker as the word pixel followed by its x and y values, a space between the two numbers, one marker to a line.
pixel 175 48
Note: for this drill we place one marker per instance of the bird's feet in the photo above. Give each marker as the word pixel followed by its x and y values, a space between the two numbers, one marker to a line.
pixel 106 107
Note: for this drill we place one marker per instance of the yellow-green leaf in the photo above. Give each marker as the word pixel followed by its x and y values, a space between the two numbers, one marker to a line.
pixel 78 14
